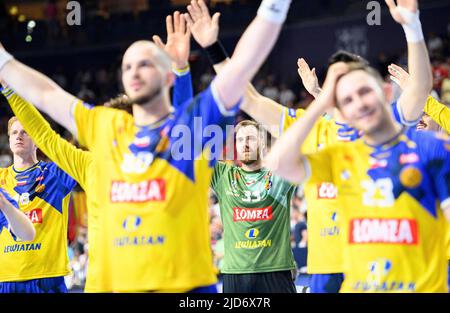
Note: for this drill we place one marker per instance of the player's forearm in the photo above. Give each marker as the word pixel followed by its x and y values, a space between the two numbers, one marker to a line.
pixel 420 82
pixel 38 89
pixel 415 93
pixel 263 110
pixel 251 51
pixel 438 112
pixel 20 224
pixel 46 139
pixel 285 158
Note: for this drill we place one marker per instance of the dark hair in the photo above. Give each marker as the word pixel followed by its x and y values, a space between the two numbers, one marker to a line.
pixel 346 57
pixel 120 102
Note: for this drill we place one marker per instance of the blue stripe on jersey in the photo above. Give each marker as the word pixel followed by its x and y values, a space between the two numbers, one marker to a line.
pixel 182 89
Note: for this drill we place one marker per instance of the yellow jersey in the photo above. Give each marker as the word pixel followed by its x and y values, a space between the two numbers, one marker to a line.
pixel 42 193
pixel 153 182
pixel 324 244
pixel 79 165
pixel 392 230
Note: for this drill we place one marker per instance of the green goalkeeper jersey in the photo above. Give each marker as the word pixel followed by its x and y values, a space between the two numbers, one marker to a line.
pixel 255 212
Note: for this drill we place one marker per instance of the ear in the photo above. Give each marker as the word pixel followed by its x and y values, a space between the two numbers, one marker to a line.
pixel 388 92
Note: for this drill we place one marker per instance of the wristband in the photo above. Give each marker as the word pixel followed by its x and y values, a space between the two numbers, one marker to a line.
pixel 274 11
pixel 216 53
pixel 5 57
pixel 181 71
pixel 412 27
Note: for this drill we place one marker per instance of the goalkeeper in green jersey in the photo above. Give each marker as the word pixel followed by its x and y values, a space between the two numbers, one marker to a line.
pixel 255 210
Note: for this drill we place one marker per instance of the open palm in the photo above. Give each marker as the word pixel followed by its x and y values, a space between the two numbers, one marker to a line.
pixel 410 5
pixel 204 28
pixel 178 40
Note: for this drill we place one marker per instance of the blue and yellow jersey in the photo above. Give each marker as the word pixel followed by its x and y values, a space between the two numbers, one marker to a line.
pixel 324 244
pixel 393 231
pixel 42 193
pixel 79 165
pixel 153 184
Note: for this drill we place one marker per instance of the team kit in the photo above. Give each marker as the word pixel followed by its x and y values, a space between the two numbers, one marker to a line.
pixel 376 186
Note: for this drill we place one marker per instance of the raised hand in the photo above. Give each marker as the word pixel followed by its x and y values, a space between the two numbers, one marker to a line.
pixel 398 75
pixel 178 40
pixel 395 10
pixel 327 96
pixel 204 28
pixel 309 77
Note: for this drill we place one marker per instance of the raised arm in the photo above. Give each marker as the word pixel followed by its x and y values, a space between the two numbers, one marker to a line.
pixel 177 47
pixel 205 31
pixel 37 89
pixel 284 158
pixel 65 155
pixel 20 224
pixel 251 51
pixel 415 94
pixel 439 112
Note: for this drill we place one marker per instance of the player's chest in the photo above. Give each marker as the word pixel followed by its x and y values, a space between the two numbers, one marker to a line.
pixel 379 179
pixel 251 189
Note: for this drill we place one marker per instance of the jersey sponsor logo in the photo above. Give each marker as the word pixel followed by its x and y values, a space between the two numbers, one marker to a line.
pixel 40 188
pixel 40 178
pixel 345 175
pixel 329 231
pixel 138 163
pixel 21 183
pixel 150 190
pixel 377 163
pixel 333 230
pixel 378 278
pixel 387 231
pixel 408 158
pixel 252 233
pixel 252 215
pixel 253 244
pixel 131 223
pixel 326 191
pixel 292 113
pixel 143 240
pixel 35 216
pixel 142 142
pixel 410 177
pixel 18 247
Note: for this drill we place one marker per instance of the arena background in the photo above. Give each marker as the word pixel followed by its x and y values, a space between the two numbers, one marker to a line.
pixel 84 59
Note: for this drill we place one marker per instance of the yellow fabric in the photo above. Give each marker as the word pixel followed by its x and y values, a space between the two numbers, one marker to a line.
pixel 79 165
pixel 438 112
pixel 157 217
pixel 324 244
pixel 419 264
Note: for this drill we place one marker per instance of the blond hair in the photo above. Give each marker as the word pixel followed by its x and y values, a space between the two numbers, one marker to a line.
pixel 11 121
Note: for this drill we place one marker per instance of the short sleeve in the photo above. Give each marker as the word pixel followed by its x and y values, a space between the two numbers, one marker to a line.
pixel 398 115
pixel 219 171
